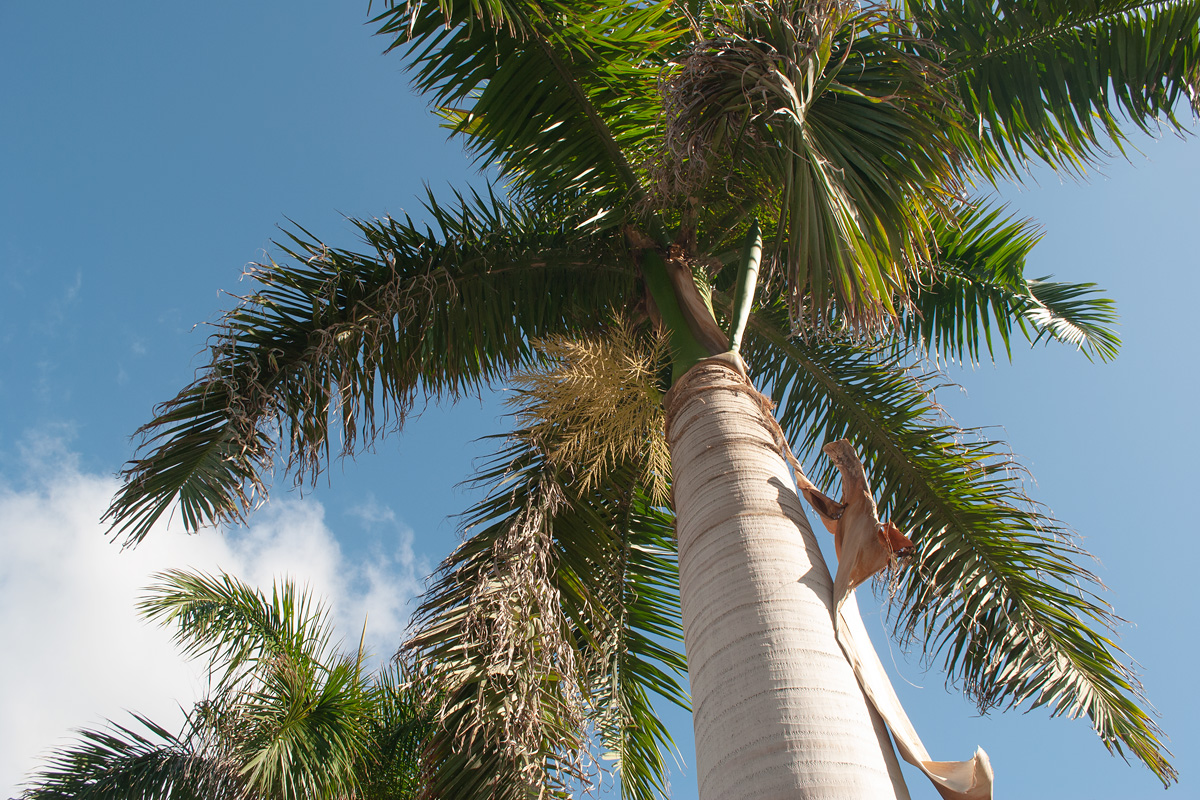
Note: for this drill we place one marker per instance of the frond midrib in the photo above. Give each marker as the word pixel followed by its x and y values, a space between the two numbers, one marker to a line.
pixel 1049 33
pixel 602 132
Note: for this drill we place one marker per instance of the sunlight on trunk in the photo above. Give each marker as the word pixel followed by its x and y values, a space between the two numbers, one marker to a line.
pixel 778 711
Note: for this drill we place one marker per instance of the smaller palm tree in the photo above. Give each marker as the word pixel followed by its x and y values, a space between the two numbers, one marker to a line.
pixel 288 715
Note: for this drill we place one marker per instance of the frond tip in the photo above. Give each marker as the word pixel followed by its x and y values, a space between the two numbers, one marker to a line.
pixel 994 588
pixel 335 341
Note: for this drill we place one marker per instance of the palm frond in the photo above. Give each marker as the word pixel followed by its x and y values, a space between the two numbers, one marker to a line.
pixel 557 94
pixel 294 715
pixel 337 338
pixel 305 730
pixel 287 717
pixel 235 626
pixel 1074 313
pixel 400 726
pixel 995 587
pixel 977 289
pixel 1056 81
pixel 511 720
pixel 594 410
pixel 838 126
pixel 643 653
pixel 121 763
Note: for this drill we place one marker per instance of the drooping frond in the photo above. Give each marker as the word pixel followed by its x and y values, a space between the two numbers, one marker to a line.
pixel 511 722
pixel 335 337
pixel 562 96
pixel 594 409
pixel 595 405
pixel 1058 81
pixel 839 127
pixel 643 653
pixel 994 587
pixel 557 618
pixel 976 289
pixel 121 763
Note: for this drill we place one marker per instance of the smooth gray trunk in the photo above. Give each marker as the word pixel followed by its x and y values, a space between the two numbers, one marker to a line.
pixel 778 712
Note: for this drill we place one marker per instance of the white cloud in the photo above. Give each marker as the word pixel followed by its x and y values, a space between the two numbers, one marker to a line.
pixel 76 653
pixel 372 512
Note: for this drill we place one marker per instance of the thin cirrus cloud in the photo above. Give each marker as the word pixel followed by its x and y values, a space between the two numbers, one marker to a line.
pixel 75 651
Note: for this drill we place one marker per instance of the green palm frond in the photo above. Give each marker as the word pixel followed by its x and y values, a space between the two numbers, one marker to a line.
pixel 557 94
pixel 591 579
pixel 293 715
pixel 644 654
pixel 235 627
pixel 305 730
pixel 994 587
pixel 287 718
pixel 1073 313
pixel 335 337
pixel 399 728
pixel 977 289
pixel 121 763
pixel 838 127
pixel 1056 81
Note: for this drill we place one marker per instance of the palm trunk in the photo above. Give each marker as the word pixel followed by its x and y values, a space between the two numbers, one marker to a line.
pixel 778 712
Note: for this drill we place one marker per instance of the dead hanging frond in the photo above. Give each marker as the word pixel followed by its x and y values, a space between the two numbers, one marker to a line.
pixel 535 622
pixel 595 404
pixel 517 616
pixel 508 678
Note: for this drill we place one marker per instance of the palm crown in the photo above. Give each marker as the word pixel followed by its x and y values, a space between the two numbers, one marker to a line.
pixel 286 716
pixel 643 147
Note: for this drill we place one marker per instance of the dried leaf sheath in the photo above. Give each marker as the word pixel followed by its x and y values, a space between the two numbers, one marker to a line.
pixel 865 546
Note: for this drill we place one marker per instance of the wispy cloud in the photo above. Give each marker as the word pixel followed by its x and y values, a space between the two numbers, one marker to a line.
pixel 76 652
pixel 372 512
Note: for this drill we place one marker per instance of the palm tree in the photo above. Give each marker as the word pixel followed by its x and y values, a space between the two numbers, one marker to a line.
pixel 657 157
pixel 288 716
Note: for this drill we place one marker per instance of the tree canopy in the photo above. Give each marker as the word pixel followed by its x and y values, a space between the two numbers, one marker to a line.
pixel 287 716
pixel 638 138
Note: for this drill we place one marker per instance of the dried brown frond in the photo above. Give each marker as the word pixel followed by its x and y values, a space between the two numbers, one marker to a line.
pixel 506 675
pixel 516 618
pixel 596 404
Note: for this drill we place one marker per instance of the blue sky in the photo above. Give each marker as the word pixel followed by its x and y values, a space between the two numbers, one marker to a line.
pixel 149 151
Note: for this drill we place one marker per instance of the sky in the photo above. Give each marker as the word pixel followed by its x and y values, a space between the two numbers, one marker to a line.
pixel 149 151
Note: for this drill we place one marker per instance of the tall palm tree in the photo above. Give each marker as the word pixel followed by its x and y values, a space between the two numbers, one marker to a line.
pixel 658 156
pixel 287 717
